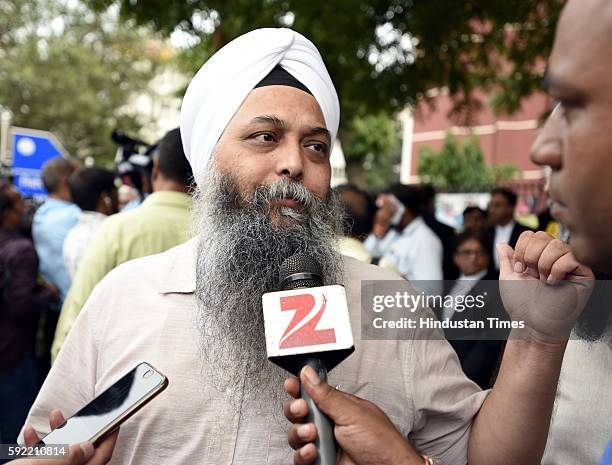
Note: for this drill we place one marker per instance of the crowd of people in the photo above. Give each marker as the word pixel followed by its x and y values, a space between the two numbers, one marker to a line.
pixel 52 258
pixel 398 230
pixel 77 237
pixel 175 277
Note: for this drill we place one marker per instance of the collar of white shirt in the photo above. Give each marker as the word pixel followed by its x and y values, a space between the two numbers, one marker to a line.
pixel 92 217
pixel 414 225
pixel 503 233
pixel 472 277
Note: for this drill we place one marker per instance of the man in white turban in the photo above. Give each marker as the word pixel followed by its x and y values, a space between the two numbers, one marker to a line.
pixel 221 86
pixel 258 122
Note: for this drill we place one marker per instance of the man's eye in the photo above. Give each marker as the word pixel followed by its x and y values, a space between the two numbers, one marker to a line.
pixel 264 137
pixel 319 147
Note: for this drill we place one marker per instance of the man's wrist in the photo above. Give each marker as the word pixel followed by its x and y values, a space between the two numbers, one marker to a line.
pixel 380 230
pixel 410 456
pixel 532 363
pixel 535 341
pixel 428 460
pixel 416 459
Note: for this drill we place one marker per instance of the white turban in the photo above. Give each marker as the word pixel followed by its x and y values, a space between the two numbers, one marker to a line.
pixel 224 81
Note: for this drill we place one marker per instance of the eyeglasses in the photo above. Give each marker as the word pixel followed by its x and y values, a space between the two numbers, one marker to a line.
pixel 467 253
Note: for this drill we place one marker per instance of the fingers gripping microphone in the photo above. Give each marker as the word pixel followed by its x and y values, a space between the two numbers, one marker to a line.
pixel 308 323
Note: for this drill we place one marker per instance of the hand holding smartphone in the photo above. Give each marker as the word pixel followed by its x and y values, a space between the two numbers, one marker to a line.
pixel 109 410
pixel 77 454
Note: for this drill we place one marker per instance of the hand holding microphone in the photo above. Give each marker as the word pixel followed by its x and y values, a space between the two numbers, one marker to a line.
pixel 365 434
pixel 308 332
pixel 307 323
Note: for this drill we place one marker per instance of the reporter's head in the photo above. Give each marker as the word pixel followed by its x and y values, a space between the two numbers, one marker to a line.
pixel 575 142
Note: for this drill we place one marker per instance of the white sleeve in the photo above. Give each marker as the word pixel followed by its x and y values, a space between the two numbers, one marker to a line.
pixel 70 260
pixel 445 401
pixel 378 246
pixel 371 244
pixel 427 263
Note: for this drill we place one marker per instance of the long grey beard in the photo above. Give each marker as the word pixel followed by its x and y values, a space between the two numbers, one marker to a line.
pixel 240 251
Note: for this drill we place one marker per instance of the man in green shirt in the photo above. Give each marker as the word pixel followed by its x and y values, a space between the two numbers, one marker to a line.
pixel 162 221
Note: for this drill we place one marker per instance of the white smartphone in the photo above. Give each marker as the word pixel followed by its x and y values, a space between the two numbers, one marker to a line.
pixel 109 410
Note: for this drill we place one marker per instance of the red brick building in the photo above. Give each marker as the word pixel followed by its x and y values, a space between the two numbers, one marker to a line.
pixel 503 138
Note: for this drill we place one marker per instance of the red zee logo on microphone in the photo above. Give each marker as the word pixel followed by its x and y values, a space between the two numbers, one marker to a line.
pixel 307 320
pixel 302 330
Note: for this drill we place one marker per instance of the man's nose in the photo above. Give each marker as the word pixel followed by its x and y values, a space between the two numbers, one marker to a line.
pixel 289 161
pixel 547 147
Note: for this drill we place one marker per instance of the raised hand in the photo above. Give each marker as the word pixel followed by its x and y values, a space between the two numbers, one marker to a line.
pixel 543 285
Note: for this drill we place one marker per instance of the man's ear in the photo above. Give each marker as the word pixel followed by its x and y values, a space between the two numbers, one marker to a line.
pixel 65 189
pixel 101 205
pixel 155 172
pixel 407 217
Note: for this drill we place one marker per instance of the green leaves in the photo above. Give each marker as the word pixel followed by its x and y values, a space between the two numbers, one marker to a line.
pixel 460 167
pixel 372 143
pixel 74 72
pixel 385 54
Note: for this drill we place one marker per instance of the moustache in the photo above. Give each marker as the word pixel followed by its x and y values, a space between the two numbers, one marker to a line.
pixel 265 195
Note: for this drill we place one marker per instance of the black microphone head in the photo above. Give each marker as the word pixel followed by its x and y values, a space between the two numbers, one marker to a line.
pixel 299 271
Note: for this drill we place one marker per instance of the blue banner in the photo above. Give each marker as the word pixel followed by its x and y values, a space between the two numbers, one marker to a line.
pixel 31 150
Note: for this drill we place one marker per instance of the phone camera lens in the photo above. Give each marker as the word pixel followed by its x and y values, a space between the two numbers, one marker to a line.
pixel 147 374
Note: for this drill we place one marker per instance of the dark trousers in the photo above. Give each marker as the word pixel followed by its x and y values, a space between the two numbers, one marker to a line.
pixel 18 389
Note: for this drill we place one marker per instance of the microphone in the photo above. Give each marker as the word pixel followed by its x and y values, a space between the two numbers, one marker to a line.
pixel 308 323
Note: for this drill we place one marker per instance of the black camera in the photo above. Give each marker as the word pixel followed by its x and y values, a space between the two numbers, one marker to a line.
pixel 134 161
